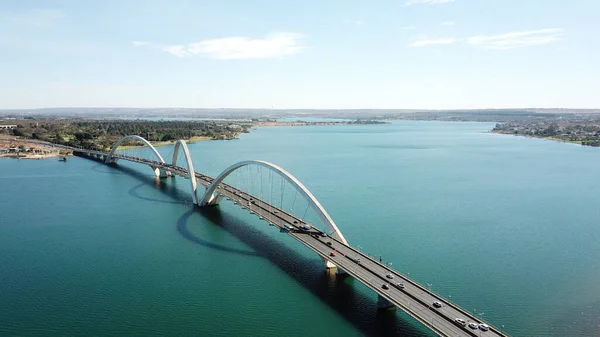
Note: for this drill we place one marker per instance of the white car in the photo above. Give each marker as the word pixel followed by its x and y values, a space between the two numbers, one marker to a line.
pixel 390 276
pixel 460 322
pixel 473 325
pixel 437 304
pixel 484 327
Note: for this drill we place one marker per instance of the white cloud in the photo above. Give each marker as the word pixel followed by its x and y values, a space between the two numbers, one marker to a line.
pixel 426 2
pixel 428 42
pixel 517 39
pixel 271 46
pixel 141 43
pixel 448 23
pixel 355 22
pixel 499 42
pixel 411 27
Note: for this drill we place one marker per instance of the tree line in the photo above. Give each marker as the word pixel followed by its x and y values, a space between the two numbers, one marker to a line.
pixel 102 134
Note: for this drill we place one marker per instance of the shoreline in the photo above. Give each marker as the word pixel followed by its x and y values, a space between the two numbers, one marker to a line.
pixel 34 156
pixel 553 139
pixel 31 149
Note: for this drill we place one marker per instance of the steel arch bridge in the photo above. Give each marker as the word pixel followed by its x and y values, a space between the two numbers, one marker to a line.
pixel 210 197
pixel 395 290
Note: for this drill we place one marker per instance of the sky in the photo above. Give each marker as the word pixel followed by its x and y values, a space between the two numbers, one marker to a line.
pixel 326 54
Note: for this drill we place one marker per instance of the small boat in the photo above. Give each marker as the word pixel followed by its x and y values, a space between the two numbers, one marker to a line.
pixel 62 159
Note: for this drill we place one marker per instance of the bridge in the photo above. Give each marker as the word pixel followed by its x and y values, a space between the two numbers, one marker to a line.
pixel 395 290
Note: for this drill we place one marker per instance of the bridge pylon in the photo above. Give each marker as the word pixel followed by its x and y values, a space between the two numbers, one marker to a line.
pixel 330 268
pixel 161 173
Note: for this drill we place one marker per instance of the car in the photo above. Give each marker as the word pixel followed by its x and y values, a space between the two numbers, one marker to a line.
pixel 484 327
pixel 276 212
pixel 329 243
pixel 385 286
pixel 400 285
pixel 357 260
pixel 473 325
pixel 323 235
pixel 332 254
pixel 306 227
pixel 295 221
pixel 390 276
pixel 460 322
pixel 437 304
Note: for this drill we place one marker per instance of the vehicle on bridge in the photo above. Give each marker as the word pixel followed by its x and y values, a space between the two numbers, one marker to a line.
pixel 460 322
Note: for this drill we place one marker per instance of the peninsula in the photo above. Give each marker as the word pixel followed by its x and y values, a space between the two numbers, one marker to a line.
pixel 100 134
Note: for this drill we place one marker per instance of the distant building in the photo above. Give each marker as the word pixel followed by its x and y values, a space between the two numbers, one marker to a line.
pixel 6 127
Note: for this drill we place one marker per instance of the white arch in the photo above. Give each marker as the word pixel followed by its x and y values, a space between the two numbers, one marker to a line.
pixel 147 143
pixel 210 198
pixel 190 167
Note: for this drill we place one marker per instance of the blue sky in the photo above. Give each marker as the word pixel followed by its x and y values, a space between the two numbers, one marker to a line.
pixel 429 54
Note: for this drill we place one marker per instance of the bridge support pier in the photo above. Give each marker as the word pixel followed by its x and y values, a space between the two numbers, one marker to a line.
pixel 214 200
pixel 330 268
pixel 161 173
pixel 384 304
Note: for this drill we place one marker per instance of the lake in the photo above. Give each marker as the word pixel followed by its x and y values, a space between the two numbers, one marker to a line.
pixel 506 227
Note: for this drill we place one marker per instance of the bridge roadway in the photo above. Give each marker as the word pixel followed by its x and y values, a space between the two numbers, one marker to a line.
pixel 412 298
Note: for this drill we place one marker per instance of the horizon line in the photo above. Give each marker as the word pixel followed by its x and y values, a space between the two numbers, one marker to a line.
pixel 296 109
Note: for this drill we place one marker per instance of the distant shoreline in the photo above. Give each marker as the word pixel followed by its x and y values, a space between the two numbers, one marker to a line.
pixel 584 133
pixel 40 147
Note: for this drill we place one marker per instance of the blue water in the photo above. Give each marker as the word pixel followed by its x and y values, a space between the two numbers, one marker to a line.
pixel 506 227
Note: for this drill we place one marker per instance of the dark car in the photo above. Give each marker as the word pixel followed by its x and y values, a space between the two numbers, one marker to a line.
pixel 437 304
pixel 385 286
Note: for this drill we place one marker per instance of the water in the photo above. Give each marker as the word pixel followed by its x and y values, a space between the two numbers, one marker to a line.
pixel 504 226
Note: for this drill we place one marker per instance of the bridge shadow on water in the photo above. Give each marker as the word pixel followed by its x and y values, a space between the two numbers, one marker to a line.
pixel 103 168
pixel 337 291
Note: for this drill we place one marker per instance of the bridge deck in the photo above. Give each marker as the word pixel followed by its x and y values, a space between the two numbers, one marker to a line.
pixel 413 298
